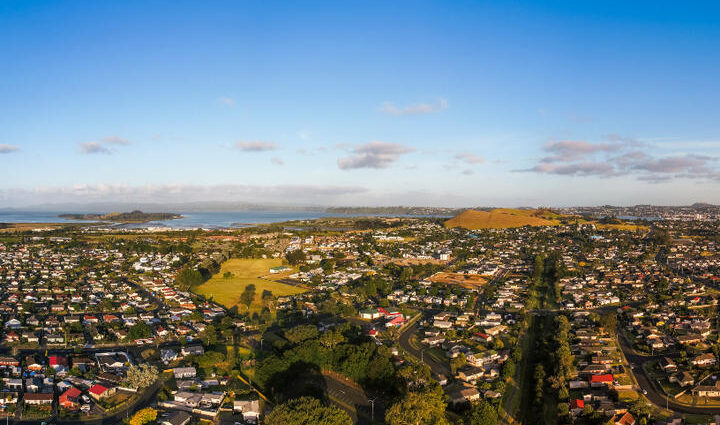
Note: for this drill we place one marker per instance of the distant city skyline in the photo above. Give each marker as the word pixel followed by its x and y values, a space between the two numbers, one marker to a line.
pixel 454 104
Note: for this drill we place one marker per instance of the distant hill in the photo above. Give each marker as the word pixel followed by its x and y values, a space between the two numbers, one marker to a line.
pixel 126 217
pixel 502 218
pixel 399 210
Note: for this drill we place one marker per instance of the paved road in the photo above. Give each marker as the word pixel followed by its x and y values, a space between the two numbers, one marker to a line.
pixel 653 393
pixel 436 367
pixel 354 401
pixel 146 399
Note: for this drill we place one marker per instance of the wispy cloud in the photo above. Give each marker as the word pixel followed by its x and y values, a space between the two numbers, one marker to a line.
pixel 227 101
pixel 622 156
pixel 90 148
pixel 414 109
pixel 255 146
pixel 277 161
pixel 169 193
pixel 576 169
pixel 469 158
pixel 373 155
pixel 115 140
pixel 571 150
pixel 101 146
pixel 8 148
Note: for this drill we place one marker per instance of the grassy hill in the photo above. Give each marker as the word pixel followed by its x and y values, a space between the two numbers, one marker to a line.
pixel 502 218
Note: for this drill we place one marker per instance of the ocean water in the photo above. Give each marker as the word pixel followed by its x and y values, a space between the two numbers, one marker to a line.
pixel 190 220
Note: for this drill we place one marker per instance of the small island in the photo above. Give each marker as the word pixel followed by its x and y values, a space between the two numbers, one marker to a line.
pixel 125 217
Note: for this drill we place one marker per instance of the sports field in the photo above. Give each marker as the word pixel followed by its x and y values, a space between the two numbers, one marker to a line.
pixel 227 291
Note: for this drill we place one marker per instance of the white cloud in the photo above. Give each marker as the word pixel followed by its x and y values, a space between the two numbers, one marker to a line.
pixel 101 146
pixel 8 148
pixel 277 161
pixel 115 140
pixel 255 146
pixel 622 157
pixel 93 148
pixel 179 193
pixel 414 109
pixel 374 154
pixel 469 158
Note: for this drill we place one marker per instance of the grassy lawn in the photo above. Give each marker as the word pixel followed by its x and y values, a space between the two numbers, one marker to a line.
pixel 627 396
pixel 227 291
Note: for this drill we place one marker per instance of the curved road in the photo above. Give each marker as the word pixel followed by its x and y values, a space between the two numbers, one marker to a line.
pixel 436 367
pixel 644 381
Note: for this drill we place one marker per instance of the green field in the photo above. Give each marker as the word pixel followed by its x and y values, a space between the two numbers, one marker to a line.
pixel 227 291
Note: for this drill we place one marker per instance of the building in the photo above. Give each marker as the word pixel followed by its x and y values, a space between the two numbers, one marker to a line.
pixel 70 399
pixel 184 372
pixel 98 391
pixel 38 399
pixel 250 410
pixel 177 417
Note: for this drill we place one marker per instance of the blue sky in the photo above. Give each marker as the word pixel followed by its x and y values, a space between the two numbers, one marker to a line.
pixel 360 103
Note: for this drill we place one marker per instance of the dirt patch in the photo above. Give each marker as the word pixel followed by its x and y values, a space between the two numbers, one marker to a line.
pixel 471 281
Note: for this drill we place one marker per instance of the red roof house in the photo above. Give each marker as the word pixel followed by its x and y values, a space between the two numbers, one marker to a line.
pixel 601 379
pixel 98 391
pixel 626 419
pixel 70 398
pixel 397 321
pixel 57 361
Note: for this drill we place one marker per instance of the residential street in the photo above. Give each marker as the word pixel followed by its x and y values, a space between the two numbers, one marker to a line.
pixel 654 395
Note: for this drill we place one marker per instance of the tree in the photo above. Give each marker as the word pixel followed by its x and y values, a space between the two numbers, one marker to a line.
pixel 608 321
pixel 307 411
pixel 209 335
pixel 267 298
pixel 640 408
pixel 210 359
pixel 144 416
pixel 189 278
pixel 332 338
pixel 140 330
pixel 301 333
pixel 295 256
pixel 457 363
pixel 508 370
pixel 539 377
pixel 418 408
pixel 480 413
pixel 412 376
pixel 141 377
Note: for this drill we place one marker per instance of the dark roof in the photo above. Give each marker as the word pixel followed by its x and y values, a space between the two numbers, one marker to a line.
pixel 177 418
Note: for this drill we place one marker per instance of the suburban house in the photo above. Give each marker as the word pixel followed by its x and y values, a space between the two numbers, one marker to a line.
pixel 250 410
pixel 38 399
pixel 184 372
pixel 98 391
pixel 70 399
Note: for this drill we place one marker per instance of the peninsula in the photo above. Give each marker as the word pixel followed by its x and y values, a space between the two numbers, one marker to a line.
pixel 125 217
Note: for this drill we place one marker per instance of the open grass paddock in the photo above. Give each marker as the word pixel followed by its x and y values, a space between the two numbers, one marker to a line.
pixel 227 291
